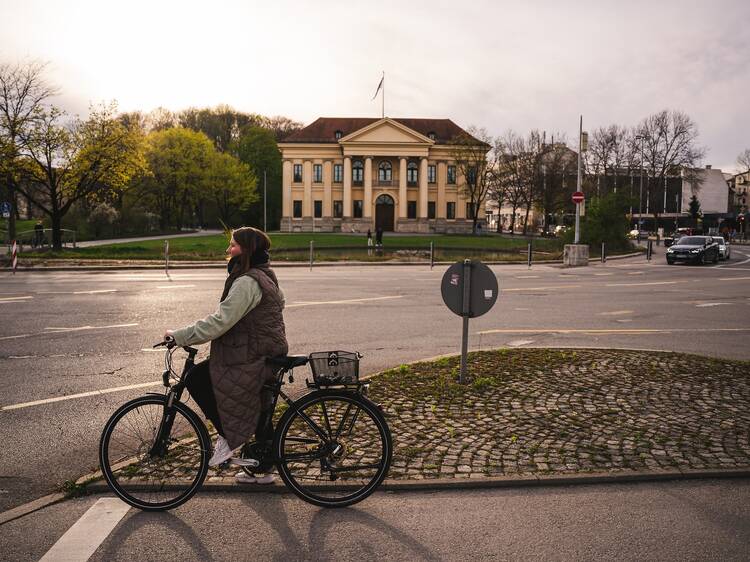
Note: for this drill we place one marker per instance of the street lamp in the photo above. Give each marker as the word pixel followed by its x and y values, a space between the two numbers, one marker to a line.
pixel 640 193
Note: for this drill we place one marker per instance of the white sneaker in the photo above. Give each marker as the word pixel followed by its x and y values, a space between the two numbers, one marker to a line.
pixel 243 477
pixel 222 452
pixel 239 461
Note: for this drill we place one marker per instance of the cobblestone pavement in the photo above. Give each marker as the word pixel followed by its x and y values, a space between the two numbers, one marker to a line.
pixel 528 411
pixel 546 412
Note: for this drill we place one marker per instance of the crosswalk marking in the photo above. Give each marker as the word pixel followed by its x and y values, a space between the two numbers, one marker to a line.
pixel 90 531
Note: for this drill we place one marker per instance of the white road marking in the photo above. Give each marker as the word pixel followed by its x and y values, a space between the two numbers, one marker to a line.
pixel 733 278
pixel 21 356
pixel 707 304
pixel 634 273
pixel 521 309
pixel 76 329
pixel 174 286
pixel 518 343
pixel 644 284
pixel 603 274
pixel 95 292
pixel 79 395
pixel 90 531
pixel 616 313
pixel 539 288
pixel 348 301
pixel 611 331
pixel 14 299
pixel 527 276
pixel 14 337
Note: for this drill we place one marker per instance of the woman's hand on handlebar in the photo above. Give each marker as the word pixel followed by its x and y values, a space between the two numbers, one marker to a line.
pixel 168 340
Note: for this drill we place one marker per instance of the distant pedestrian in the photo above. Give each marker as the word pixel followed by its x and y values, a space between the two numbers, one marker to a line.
pixel 38 234
pixel 379 237
pixel 369 238
pixel 479 229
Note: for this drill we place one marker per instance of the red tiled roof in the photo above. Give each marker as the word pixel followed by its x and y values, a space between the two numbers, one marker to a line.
pixel 323 129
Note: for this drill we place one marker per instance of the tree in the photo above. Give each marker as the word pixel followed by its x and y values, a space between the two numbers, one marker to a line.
pixel 91 159
pixel 516 161
pixel 669 148
pixel 558 164
pixel 743 161
pixel 606 156
pixel 179 168
pixel 474 169
pixel 694 208
pixel 605 221
pixel 257 148
pixel 232 185
pixel 23 92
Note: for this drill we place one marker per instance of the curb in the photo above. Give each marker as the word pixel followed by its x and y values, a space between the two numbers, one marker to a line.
pixel 490 482
pixel 30 507
pixel 280 264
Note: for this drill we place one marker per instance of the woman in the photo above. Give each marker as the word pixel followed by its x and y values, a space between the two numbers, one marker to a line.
pixel 247 327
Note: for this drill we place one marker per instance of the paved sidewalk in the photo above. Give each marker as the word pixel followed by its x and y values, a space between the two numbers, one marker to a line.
pixel 545 414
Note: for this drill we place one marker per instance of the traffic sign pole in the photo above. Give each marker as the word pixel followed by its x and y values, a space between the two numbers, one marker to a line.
pixel 466 310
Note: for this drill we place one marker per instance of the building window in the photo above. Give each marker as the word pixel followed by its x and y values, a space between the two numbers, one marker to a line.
pixel 469 210
pixel 431 173
pixel 358 208
pixel 318 206
pixel 358 173
pixel 451 175
pixel 338 173
pixel 317 173
pixel 297 209
pixel 411 210
pixel 430 209
pixel 338 135
pixel 338 209
pixel 385 171
pixel 450 210
pixel 471 176
pixel 298 172
pixel 431 135
pixel 412 174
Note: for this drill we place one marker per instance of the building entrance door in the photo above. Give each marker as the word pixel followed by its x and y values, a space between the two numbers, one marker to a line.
pixel 384 213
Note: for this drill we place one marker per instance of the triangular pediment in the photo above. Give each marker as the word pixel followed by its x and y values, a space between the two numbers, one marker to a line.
pixel 386 131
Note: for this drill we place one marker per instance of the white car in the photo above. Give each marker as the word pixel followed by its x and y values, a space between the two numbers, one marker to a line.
pixel 723 247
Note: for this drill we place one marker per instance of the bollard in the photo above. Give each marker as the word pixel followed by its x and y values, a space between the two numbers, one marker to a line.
pixel 528 257
pixel 14 257
pixel 166 258
pixel 311 253
pixel 604 254
pixel 432 254
pixel 649 249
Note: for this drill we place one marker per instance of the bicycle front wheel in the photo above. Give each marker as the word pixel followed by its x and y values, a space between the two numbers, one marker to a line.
pixel 148 477
pixel 333 448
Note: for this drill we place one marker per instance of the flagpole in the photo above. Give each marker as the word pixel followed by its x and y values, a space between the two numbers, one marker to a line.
pixel 383 101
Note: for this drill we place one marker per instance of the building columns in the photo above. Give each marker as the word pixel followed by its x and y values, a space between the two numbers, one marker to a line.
pixel 347 187
pixel 422 205
pixel 442 179
pixel 327 180
pixel 286 181
pixel 367 203
pixel 402 188
pixel 307 204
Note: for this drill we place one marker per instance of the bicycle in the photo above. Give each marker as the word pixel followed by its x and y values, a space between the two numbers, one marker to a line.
pixel 332 447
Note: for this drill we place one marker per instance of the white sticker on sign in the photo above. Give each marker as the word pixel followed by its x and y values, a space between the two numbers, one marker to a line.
pixel 454 278
pixel 488 294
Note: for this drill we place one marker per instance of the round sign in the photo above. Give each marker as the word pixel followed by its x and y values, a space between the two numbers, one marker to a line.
pixel 578 197
pixel 483 288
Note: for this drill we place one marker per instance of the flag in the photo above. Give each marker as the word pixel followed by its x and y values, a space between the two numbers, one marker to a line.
pixel 380 85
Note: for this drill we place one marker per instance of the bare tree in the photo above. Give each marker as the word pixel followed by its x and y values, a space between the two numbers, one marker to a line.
pixel 669 148
pixel 606 156
pixel 516 162
pixel 743 161
pixel 557 164
pixel 23 92
pixel 474 168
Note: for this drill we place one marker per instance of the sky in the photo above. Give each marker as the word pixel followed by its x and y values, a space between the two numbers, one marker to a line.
pixel 497 64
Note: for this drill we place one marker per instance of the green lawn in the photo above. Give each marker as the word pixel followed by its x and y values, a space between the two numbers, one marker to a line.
pixel 328 246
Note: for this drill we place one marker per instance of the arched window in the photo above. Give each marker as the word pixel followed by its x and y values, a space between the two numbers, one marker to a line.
pixel 384 171
pixel 384 200
pixel 412 173
pixel 358 173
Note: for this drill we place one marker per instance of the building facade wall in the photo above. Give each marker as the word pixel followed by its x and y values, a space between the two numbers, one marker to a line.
pixel 348 201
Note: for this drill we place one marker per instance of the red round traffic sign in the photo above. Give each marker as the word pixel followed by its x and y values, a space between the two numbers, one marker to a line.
pixel 578 197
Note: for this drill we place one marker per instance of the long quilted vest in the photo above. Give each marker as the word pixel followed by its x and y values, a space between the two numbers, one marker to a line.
pixel 237 364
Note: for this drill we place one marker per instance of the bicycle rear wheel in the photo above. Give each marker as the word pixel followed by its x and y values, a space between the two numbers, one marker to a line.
pixel 333 448
pixel 146 479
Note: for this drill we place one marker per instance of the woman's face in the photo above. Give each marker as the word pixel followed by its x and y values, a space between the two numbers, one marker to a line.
pixel 234 249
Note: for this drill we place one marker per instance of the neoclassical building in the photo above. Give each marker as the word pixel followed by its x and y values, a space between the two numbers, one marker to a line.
pixel 351 174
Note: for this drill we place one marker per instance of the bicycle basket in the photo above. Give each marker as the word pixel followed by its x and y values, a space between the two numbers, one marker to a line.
pixel 334 367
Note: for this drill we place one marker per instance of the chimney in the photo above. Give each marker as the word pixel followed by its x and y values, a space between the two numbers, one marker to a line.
pixel 708 166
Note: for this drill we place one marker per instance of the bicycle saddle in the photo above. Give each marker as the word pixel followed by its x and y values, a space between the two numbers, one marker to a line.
pixel 287 361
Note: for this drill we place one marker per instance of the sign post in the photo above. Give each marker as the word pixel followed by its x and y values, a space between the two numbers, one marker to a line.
pixel 469 289
pixel 578 198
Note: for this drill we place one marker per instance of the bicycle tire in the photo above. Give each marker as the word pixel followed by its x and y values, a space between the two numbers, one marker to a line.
pixel 324 472
pixel 135 478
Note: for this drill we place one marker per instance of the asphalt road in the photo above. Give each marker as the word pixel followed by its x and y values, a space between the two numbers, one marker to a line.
pixel 67 333
pixel 665 521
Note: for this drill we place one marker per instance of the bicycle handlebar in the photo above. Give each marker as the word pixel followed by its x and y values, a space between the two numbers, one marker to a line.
pixel 168 342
